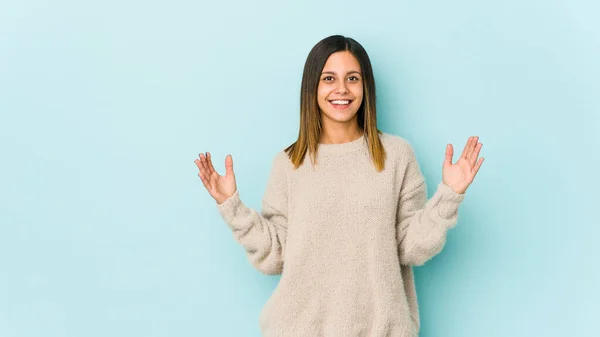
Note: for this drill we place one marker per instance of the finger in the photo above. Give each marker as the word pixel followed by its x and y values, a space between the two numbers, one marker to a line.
pixel 449 154
pixel 203 165
pixel 472 147
pixel 210 165
pixel 202 172
pixel 197 162
pixel 229 165
pixel 466 148
pixel 476 168
pixel 205 180
pixel 475 154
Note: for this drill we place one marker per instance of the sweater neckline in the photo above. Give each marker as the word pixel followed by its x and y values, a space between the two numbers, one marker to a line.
pixel 342 147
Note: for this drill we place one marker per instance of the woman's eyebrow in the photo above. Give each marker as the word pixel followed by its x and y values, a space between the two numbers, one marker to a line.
pixel 333 73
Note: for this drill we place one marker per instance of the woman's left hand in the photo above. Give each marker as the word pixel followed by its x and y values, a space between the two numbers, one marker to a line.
pixel 461 174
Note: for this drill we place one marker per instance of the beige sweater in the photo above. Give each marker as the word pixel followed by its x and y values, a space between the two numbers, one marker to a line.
pixel 344 238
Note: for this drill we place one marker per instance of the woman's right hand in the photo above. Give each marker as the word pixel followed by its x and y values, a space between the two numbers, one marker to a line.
pixel 219 187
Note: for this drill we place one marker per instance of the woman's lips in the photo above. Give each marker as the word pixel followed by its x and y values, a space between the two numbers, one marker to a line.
pixel 340 106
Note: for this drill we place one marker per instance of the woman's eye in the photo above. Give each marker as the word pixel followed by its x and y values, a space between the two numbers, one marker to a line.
pixel 330 78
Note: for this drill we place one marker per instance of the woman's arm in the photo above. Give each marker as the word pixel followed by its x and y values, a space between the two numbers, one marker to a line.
pixel 422 224
pixel 262 234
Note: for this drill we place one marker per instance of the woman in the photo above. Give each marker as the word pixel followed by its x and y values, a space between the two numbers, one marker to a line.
pixel 346 227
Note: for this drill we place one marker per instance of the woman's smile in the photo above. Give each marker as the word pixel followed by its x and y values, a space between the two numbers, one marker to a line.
pixel 340 103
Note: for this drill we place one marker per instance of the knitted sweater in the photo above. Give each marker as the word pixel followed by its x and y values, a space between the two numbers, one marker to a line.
pixel 344 238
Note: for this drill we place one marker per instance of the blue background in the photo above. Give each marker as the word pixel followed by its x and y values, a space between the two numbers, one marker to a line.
pixel 106 230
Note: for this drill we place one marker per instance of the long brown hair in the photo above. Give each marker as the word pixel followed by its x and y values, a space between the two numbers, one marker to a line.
pixel 310 114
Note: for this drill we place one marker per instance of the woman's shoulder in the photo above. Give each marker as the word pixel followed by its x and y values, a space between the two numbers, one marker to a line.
pixel 395 143
pixel 281 158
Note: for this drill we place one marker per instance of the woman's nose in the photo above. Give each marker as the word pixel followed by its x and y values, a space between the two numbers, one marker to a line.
pixel 342 88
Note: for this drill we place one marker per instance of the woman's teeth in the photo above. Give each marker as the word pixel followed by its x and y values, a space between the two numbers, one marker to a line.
pixel 340 103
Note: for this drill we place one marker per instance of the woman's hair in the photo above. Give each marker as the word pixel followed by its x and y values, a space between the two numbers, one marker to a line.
pixel 310 114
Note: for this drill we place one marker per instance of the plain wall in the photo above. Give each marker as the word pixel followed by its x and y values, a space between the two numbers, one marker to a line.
pixel 106 229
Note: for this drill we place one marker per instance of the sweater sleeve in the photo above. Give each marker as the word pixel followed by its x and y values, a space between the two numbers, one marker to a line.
pixel 262 234
pixel 422 224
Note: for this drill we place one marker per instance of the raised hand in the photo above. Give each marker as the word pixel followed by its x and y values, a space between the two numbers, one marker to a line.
pixel 461 174
pixel 220 187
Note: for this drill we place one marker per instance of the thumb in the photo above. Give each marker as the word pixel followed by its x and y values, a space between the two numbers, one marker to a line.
pixel 449 154
pixel 228 166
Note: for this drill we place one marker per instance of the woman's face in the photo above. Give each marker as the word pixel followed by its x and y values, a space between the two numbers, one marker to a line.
pixel 340 89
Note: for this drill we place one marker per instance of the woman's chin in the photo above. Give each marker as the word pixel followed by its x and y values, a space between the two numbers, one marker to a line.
pixel 344 115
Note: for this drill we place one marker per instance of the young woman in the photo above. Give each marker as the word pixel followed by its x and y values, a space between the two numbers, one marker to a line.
pixel 344 227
